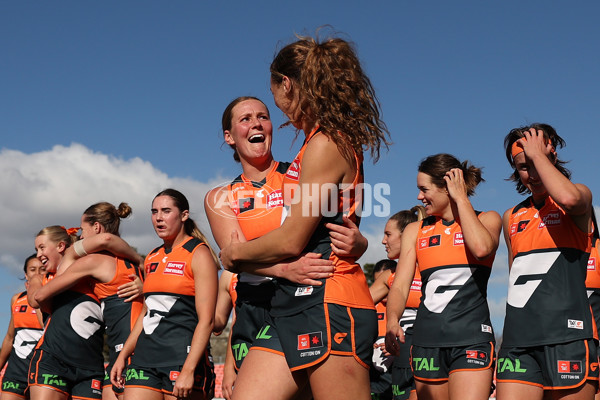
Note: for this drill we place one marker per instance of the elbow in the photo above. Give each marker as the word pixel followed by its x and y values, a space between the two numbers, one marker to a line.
pixel 38 299
pixel 291 248
pixel 483 252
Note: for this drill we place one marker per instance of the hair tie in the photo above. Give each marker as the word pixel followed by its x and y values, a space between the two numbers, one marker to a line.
pixel 71 231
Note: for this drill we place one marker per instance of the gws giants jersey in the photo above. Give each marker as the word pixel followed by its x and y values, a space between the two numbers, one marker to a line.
pixel 547 302
pixel 171 316
pixel 348 285
pixel 75 327
pixel 119 316
pixel 413 301
pixel 454 309
pixel 592 281
pixel 258 207
pixel 28 332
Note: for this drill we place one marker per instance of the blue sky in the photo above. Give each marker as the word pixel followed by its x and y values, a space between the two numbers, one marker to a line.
pixel 118 100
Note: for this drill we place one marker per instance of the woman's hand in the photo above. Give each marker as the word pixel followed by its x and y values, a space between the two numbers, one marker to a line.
pixel 226 254
pixel 183 384
pixel 131 290
pixel 393 338
pixel 116 372
pixel 346 239
pixel 455 184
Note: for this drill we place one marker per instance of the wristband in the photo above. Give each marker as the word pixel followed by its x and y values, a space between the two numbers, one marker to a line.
pixel 79 250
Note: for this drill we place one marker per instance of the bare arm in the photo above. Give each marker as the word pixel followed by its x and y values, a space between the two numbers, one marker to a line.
pixel 224 303
pixel 506 231
pixel 379 289
pixel 97 266
pixel 223 223
pixel 405 272
pixel 9 338
pixel 111 243
pixel 205 278
pixel 481 233
pixel 229 374
pixel 323 164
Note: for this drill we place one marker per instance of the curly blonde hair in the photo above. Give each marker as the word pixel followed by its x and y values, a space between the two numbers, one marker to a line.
pixel 335 92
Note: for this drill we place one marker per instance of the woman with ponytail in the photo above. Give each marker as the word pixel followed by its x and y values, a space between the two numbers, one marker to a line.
pixel 327 330
pixel 453 248
pixel 171 337
pixel 111 276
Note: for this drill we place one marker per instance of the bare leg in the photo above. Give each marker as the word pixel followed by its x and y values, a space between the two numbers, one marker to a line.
pixel 584 392
pixel 45 393
pixel 470 385
pixel 432 390
pixel 340 377
pixel 518 391
pixel 142 394
pixel 265 375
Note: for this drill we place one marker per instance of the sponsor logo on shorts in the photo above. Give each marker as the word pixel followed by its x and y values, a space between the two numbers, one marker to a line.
pixel 591 264
pixel 569 367
pixel 380 316
pixel 173 375
pixel 339 337
pixel 458 239
pixel 96 384
pixel 310 340
pixel 240 350
pixel 6 385
pixel 135 374
pixel 574 324
pixel 506 364
pixel 53 380
pixel 262 334
pixel 594 366
pixel 245 204
pixel 486 328
pixel 430 241
pixel 118 347
pixel 425 364
pixel 174 268
pixel 304 291
pixel 396 390
pixel 550 219
pixel 476 357
pixel 275 199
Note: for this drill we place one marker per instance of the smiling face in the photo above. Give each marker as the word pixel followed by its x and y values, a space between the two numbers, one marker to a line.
pixel 49 252
pixel 392 239
pixel 251 131
pixel 435 199
pixel 168 220
pixel 34 267
pixel 529 176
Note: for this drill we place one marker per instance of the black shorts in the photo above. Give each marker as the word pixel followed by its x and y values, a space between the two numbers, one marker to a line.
pixel 403 381
pixel 162 379
pixel 250 318
pixel 551 367
pixel 309 337
pixel 14 385
pixel 435 364
pixel 48 371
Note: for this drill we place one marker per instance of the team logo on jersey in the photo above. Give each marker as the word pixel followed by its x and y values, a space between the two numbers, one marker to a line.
pixel 591 264
pixel 96 384
pixel 173 375
pixel 150 268
pixel 476 355
pixel 20 309
pixel 569 367
pixel 518 227
pixel 430 241
pixel 275 199
pixel 458 239
pixel 486 328
pixel 174 268
pixel 245 204
pixel 550 219
pixel 310 340
pixel 574 324
pixel 293 171
pixel 304 291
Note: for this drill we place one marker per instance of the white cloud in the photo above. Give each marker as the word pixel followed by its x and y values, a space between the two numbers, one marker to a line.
pixel 54 187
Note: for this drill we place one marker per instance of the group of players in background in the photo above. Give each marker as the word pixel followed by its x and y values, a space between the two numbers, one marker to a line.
pixel 305 324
